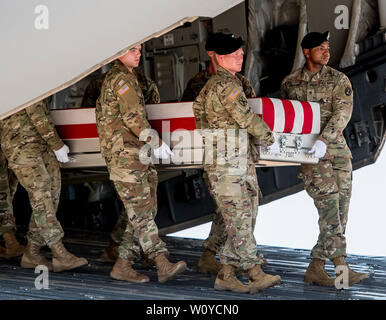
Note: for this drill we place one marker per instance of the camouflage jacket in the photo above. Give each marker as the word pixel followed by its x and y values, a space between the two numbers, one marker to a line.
pixel 222 104
pixel 120 118
pixel 30 127
pixel 149 88
pixel 332 89
pixel 93 90
pixel 195 85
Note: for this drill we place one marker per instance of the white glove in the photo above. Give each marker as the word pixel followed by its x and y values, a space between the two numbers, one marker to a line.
pixel 319 149
pixel 274 148
pixel 163 152
pixel 61 154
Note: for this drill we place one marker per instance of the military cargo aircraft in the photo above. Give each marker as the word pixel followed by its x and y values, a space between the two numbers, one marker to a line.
pixel 55 49
pixel 61 53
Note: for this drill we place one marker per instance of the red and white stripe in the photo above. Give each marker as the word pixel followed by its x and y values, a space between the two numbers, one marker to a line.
pixel 287 116
pixel 177 116
pixel 75 123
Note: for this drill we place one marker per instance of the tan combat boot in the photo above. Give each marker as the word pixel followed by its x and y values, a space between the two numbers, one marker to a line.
pixel 316 274
pixel 122 270
pixel 32 258
pixel 258 280
pixel 12 247
pixel 167 270
pixel 226 280
pixel 208 263
pixel 353 277
pixel 62 260
pixel 240 272
pixel 110 254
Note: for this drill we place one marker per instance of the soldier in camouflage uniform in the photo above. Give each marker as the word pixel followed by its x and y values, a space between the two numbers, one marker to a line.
pixel 222 106
pixel 30 144
pixel 217 237
pixel 328 182
pixel 8 185
pixel 151 95
pixel 121 118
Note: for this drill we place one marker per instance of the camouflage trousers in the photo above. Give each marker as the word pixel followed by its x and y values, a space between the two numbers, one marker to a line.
pixel 139 196
pixel 218 233
pixel 38 171
pixel 329 183
pixel 120 227
pixel 8 186
pixel 237 197
pixel 119 231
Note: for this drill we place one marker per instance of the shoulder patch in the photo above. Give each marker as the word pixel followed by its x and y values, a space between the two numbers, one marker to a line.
pixel 123 89
pixel 348 91
pixel 234 94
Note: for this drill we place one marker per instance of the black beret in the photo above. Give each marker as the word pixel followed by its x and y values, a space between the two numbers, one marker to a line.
pixel 222 43
pixel 210 42
pixel 314 39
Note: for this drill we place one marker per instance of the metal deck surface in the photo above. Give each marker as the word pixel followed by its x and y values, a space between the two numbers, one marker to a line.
pixel 92 282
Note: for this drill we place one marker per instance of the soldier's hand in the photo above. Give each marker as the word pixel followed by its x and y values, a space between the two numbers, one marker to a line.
pixel 318 149
pixel 62 154
pixel 163 152
pixel 274 148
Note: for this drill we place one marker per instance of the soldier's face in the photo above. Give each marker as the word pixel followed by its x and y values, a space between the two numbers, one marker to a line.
pixel 132 58
pixel 232 62
pixel 319 56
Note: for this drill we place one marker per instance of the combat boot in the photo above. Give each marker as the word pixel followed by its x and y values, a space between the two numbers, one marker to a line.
pixel 12 247
pixel 208 263
pixel 167 270
pixel 123 270
pixel 264 263
pixel 110 254
pixel 227 280
pixel 353 277
pixel 258 280
pixel 62 260
pixel 147 263
pixel 316 274
pixel 32 258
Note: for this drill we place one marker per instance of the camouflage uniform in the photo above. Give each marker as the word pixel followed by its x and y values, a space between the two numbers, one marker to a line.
pixel 329 182
pixel 222 105
pixel 120 118
pixel 28 139
pixel 151 95
pixel 93 90
pixel 8 186
pixel 195 85
pixel 218 233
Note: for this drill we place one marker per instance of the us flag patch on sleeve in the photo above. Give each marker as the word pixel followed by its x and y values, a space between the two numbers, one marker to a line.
pixel 234 94
pixel 122 90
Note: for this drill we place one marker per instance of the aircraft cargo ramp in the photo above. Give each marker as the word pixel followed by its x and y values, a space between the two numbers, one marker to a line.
pixel 92 282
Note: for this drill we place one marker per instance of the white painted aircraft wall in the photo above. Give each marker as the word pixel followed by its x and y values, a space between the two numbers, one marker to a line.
pixel 82 35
